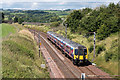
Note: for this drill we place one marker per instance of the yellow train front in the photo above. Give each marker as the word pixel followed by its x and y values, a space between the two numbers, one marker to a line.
pixel 77 52
pixel 80 55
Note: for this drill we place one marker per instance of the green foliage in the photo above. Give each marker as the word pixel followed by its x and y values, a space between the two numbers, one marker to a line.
pixel 103 32
pixel 41 24
pixel 33 16
pixel 9 18
pixel 7 29
pixel 15 19
pixel 55 24
pixel 114 44
pixel 86 11
pixel 2 16
pixel 19 58
pixel 99 48
pixel 73 20
pixel 60 13
pixel 103 20
pixel 91 48
pixel 20 20
pixel 108 56
pixel 18 49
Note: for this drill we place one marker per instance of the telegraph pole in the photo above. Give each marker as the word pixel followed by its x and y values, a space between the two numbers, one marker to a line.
pixel 39 42
pixel 65 27
pixel 94 47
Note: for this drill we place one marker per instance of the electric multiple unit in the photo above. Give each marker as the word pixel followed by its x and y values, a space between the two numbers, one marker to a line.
pixel 77 52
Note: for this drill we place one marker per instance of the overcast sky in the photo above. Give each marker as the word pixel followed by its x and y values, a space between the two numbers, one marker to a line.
pixel 53 4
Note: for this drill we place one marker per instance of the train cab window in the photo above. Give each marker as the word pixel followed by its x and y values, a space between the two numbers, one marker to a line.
pixel 80 51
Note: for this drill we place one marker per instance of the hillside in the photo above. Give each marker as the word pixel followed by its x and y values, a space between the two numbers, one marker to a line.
pixel 106 50
pixel 20 58
pixel 103 20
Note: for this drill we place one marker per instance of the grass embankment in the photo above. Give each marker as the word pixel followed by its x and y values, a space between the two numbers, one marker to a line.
pixel 106 50
pixel 39 28
pixel 20 57
pixel 7 29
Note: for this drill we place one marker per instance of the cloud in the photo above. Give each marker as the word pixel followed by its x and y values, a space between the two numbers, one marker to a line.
pixel 59 1
pixel 46 4
pixel 62 3
pixel 34 5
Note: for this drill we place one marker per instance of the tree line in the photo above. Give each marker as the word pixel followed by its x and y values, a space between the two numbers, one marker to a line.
pixel 31 16
pixel 103 20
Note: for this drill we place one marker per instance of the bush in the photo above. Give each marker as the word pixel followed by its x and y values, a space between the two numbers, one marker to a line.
pixel 91 48
pixel 99 48
pixel 108 56
pixel 54 24
pixel 41 24
pixel 114 43
pixel 89 39
pixel 20 20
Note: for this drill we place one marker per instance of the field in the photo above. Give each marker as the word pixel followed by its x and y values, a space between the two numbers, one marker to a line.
pixel 20 58
pixel 59 12
pixel 16 13
pixel 7 29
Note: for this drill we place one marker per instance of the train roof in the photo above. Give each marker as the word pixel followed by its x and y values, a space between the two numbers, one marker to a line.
pixel 65 40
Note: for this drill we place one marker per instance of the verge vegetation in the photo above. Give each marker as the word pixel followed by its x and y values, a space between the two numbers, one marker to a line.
pixel 20 58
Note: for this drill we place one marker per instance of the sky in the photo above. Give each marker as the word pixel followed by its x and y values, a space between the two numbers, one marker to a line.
pixel 53 4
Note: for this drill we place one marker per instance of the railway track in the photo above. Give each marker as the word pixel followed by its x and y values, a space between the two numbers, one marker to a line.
pixel 66 66
pixel 60 62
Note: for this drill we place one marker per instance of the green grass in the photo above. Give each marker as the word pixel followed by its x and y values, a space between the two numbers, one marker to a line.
pixel 40 28
pixel 16 13
pixel 7 29
pixel 20 57
pixel 59 13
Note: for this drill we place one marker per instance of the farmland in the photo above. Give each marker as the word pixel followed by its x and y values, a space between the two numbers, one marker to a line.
pixel 7 29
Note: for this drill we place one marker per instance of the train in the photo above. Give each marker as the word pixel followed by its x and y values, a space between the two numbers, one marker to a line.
pixel 77 52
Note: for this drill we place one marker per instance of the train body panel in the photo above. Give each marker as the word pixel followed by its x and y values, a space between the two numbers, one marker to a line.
pixel 76 51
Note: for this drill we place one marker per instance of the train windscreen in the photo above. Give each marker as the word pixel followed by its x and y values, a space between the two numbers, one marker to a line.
pixel 85 51
pixel 78 52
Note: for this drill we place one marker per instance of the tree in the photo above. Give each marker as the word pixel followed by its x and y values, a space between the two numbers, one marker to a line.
pixel 103 32
pixel 20 20
pixel 55 24
pixel 15 19
pixel 9 18
pixel 73 20
pixel 3 16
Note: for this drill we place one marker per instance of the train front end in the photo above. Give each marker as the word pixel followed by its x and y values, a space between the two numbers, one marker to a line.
pixel 80 55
